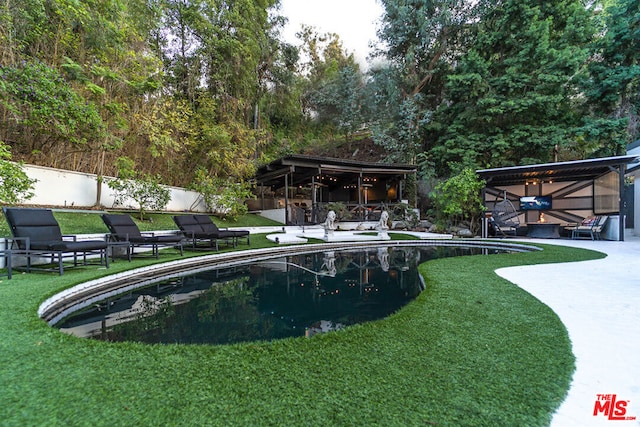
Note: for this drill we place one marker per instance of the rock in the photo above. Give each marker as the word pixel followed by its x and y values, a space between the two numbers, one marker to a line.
pixel 425 224
pixel 465 232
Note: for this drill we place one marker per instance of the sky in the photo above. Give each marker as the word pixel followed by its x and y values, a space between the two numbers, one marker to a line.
pixel 355 21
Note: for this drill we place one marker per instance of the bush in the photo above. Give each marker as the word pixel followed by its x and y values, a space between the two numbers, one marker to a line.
pixel 404 213
pixel 15 185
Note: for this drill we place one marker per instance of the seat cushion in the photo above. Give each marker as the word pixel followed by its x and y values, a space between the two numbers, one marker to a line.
pixel 156 239
pixel 64 246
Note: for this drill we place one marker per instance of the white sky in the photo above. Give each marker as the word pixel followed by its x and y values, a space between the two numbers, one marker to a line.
pixel 355 21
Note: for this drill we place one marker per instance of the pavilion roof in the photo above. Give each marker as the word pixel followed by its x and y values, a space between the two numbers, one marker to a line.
pixel 576 170
pixel 300 169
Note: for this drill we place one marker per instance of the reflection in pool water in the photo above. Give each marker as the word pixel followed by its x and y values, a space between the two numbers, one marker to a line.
pixel 290 296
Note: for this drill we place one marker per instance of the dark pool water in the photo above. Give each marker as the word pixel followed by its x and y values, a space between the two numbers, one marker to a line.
pixel 300 295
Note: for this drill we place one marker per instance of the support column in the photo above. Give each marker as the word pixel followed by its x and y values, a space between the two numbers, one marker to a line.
pixel 314 199
pixel 286 199
pixel 622 170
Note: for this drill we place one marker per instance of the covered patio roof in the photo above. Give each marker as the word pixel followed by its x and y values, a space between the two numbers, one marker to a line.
pixel 582 172
pixel 300 169
pixel 362 186
pixel 577 170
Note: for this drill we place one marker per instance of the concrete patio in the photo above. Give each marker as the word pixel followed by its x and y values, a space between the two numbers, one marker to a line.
pixel 599 303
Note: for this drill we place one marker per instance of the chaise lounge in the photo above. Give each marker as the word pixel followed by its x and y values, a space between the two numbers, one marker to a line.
pixel 210 227
pixel 36 234
pixel 204 234
pixel 123 229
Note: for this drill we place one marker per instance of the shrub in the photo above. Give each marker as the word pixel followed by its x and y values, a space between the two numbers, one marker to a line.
pixel 222 196
pixel 15 185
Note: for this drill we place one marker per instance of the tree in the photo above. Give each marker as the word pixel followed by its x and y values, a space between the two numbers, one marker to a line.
pixel 42 110
pixel 421 39
pixel 397 121
pixel 612 82
pixel 15 185
pixel 339 99
pixel 510 99
pixel 222 196
pixel 334 85
pixel 458 198
pixel 144 189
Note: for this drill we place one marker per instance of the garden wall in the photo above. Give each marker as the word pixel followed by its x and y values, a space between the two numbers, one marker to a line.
pixel 61 188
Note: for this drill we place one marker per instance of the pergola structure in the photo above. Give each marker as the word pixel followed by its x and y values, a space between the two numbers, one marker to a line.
pixel 305 184
pixel 578 189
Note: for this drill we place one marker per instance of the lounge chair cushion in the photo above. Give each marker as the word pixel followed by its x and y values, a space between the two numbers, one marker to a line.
pixel 189 225
pixel 123 228
pixel 64 246
pixel 210 227
pixel 588 222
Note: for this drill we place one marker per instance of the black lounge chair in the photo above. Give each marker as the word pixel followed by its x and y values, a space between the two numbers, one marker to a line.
pixel 123 229
pixel 193 231
pixel 36 233
pixel 204 234
pixel 208 226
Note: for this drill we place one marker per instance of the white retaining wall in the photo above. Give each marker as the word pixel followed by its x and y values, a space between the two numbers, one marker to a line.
pixel 57 187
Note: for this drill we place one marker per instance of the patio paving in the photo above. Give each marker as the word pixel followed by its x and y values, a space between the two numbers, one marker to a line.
pixel 599 303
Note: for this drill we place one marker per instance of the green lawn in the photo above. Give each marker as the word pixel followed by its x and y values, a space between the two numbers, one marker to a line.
pixel 472 349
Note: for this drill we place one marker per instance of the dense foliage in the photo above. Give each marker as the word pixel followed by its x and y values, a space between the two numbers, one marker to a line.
pixel 185 85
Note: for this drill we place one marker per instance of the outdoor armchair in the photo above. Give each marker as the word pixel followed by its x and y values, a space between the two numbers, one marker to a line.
pixel 123 229
pixel 591 227
pixel 36 234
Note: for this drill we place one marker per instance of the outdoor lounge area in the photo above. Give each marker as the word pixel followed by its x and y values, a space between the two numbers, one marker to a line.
pixel 37 244
pixel 299 188
pixel 123 230
pixel 575 199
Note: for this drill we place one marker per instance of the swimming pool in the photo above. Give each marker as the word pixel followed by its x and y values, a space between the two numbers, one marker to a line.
pixel 263 297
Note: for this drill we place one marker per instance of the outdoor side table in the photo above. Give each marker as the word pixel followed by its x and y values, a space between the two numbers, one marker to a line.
pixel 113 245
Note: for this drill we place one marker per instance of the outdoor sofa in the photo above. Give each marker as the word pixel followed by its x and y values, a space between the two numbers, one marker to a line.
pixel 36 234
pixel 123 229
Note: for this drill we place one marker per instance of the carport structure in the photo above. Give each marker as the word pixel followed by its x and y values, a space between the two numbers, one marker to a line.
pixel 304 185
pixel 578 189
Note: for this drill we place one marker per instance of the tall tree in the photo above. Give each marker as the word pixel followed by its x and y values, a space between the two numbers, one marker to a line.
pixel 334 84
pixel 421 40
pixel 509 100
pixel 612 84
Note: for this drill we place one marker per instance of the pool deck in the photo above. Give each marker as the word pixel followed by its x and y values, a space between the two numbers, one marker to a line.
pixel 292 235
pixel 599 303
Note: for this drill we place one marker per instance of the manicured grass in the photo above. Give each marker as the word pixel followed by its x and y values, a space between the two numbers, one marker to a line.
pixel 472 349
